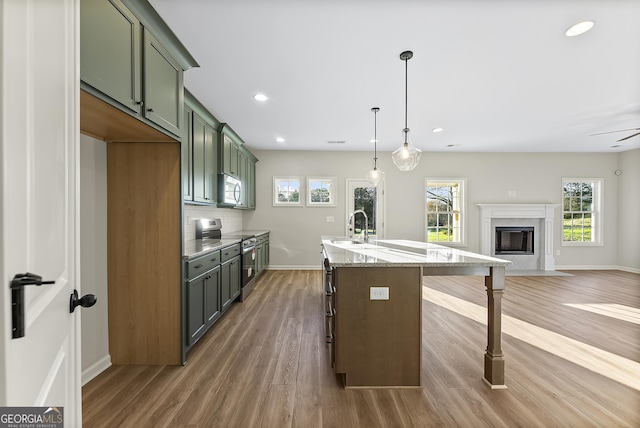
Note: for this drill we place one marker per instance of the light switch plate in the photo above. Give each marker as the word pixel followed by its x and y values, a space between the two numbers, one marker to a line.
pixel 330 219
pixel 378 293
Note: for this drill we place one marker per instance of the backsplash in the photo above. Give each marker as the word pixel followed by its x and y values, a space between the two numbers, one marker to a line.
pixel 231 219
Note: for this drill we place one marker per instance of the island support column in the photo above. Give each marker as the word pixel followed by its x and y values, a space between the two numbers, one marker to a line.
pixel 493 357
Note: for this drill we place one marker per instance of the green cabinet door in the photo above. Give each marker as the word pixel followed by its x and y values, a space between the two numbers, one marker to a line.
pixel 225 285
pixel 196 320
pixel 187 155
pixel 212 306
pixel 199 160
pixel 205 149
pixel 242 173
pixel 251 184
pixel 211 162
pixel 230 282
pixel 110 51
pixel 235 277
pixel 229 156
pixel 163 86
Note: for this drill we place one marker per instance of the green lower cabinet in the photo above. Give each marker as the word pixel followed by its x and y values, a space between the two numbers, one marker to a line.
pixel 196 321
pixel 212 306
pixel 262 253
pixel 230 282
pixel 203 304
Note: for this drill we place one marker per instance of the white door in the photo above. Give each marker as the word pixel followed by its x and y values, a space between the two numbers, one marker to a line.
pixel 361 195
pixel 39 137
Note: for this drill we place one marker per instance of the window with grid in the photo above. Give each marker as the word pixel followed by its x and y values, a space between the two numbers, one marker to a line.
pixel 444 209
pixel 581 213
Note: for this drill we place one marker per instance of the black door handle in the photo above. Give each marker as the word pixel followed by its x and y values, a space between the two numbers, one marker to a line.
pixel 85 301
pixel 17 285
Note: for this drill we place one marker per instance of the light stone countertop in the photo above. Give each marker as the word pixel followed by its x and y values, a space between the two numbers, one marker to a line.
pixel 197 247
pixel 402 253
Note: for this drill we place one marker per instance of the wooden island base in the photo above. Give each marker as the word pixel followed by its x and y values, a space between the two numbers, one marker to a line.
pixel 378 342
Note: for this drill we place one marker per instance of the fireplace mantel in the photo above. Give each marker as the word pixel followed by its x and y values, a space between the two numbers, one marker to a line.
pixel 520 211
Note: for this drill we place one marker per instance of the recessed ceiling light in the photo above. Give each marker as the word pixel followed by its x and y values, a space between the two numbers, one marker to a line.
pixel 579 28
pixel 260 97
pixel 437 130
pixel 280 140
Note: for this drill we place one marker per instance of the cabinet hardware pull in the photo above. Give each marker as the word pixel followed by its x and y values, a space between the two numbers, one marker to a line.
pixel 150 110
pixel 198 266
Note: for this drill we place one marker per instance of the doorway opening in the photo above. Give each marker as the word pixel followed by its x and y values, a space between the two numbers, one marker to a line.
pixel 361 195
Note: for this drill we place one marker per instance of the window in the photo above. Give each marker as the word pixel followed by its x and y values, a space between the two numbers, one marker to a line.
pixel 581 211
pixel 445 210
pixel 322 191
pixel 287 190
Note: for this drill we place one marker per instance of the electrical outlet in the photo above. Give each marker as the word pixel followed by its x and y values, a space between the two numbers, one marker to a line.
pixel 511 193
pixel 557 252
pixel 330 219
pixel 378 293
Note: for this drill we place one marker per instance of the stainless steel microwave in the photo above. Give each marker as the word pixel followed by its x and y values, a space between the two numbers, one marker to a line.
pixel 231 190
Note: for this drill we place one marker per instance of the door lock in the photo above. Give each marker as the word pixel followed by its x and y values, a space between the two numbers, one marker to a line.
pixel 17 299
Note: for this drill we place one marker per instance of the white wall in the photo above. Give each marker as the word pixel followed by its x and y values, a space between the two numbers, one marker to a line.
pixel 535 177
pixel 93 256
pixel 629 209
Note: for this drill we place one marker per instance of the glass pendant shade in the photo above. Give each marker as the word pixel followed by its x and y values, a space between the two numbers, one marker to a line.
pixel 375 176
pixel 406 158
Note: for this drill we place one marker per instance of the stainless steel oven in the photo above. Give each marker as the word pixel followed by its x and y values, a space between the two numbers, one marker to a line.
pixel 248 266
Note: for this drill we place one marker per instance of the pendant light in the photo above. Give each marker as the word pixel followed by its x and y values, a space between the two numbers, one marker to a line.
pixel 375 176
pixel 406 157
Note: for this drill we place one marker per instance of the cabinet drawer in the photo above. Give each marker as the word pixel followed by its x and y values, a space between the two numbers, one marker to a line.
pixel 229 252
pixel 202 264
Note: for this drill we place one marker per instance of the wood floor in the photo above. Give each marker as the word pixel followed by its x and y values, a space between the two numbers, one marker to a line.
pixel 264 364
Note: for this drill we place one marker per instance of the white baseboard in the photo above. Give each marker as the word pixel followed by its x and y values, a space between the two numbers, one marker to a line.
pixel 95 369
pixel 629 269
pixel 600 267
pixel 292 267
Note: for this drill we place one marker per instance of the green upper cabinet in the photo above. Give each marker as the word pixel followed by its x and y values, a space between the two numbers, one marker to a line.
pixel 229 157
pixel 110 51
pixel 251 184
pixel 187 154
pixel 163 86
pixel 205 148
pixel 131 59
pixel 204 137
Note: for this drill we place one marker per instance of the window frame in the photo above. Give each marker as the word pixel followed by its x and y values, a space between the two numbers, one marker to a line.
pixel 277 180
pixel 462 211
pixel 597 214
pixel 333 194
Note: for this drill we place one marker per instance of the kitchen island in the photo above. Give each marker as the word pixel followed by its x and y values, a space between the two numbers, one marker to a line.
pixel 374 307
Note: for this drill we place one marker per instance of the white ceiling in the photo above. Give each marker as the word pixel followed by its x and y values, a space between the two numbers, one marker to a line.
pixel 497 75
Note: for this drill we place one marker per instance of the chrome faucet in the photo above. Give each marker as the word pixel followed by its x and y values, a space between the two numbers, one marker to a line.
pixel 352 225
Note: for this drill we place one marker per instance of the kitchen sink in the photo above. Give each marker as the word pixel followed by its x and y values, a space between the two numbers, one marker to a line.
pixel 346 241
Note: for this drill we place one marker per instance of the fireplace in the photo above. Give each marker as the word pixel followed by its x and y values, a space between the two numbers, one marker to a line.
pixel 528 237
pixel 514 240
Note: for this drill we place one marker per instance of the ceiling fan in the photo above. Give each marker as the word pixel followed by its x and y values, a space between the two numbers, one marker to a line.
pixel 621 130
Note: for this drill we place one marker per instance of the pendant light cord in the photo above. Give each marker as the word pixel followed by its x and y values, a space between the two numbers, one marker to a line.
pixel 406 96
pixel 375 138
